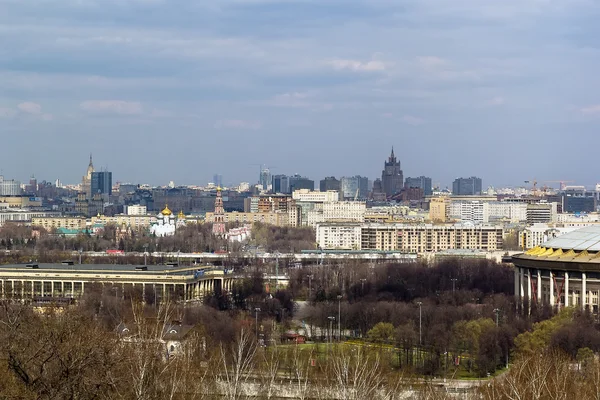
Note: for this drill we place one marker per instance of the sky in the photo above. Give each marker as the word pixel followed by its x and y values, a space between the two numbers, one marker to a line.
pixel 162 90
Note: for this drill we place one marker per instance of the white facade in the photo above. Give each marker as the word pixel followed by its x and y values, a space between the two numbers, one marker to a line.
pixel 576 218
pixel 343 236
pixel 9 187
pixel 485 211
pixel 12 214
pixel 353 211
pixel 165 225
pixel 136 210
pixel 537 234
pixel 311 196
pixel 514 212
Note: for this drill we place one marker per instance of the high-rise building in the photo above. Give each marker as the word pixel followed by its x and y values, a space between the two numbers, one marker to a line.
pixel 101 183
pixel 466 186
pixel 86 180
pixel 218 180
pixel 421 182
pixel 298 182
pixel 329 183
pixel 392 178
pixel 264 178
pixel 355 187
pixel 280 184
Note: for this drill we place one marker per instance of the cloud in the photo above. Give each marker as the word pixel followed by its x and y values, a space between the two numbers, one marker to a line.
pixel 358 66
pixel 47 117
pixel 591 110
pixel 112 106
pixel 6 112
pixel 30 108
pixel 238 124
pixel 412 120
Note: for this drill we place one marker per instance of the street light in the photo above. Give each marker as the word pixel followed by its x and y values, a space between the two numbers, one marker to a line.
pixel 420 324
pixel 256 311
pixel 331 319
pixel 339 297
pixel 453 284
pixel 497 311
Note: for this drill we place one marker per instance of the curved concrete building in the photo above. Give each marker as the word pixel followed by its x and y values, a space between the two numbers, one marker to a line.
pixel 563 272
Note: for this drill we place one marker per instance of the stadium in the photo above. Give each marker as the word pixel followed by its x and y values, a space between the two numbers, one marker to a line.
pixel 562 272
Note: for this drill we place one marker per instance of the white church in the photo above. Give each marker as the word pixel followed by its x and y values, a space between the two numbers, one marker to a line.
pixel 166 223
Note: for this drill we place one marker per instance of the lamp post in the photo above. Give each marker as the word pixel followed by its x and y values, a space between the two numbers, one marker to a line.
pixel 339 297
pixel 256 311
pixel 497 311
pixel 420 323
pixel 80 251
pixel 331 319
pixel 145 253
pixel 453 284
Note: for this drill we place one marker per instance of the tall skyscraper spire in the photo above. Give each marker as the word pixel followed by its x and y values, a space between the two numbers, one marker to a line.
pixel 91 164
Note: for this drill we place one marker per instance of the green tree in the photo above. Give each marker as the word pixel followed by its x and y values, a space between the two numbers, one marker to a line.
pixel 381 332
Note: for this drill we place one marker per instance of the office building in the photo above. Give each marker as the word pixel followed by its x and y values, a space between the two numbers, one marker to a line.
pixel 354 187
pixel 280 184
pixel 311 196
pixel 9 187
pixel 392 178
pixel 101 183
pixel 218 180
pixel 466 186
pixel 264 179
pixel 439 209
pixel 421 182
pixel 329 183
pixel 541 212
pixel 298 182
pixel 86 180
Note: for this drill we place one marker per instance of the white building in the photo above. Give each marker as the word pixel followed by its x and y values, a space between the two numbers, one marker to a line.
pixel 165 225
pixel 539 233
pixel 351 211
pixel 9 187
pixel 136 210
pixel 12 214
pixel 311 196
pixel 339 236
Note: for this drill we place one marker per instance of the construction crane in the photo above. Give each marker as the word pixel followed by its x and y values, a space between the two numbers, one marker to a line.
pixel 534 183
pixel 356 195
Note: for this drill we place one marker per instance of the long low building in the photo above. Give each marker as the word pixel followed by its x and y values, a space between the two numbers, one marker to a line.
pixel 562 272
pixel 409 238
pixel 68 280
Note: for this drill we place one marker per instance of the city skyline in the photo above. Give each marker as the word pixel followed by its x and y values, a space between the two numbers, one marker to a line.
pixel 316 88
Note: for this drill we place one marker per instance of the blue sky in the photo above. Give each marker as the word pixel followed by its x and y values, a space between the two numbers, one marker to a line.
pixel 179 90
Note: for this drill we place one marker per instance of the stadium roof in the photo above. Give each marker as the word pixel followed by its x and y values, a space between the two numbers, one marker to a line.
pixel 587 238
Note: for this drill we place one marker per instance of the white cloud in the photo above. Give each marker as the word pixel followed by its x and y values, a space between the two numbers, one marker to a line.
pixel 412 120
pixel 359 66
pixel 30 108
pixel 6 112
pixel 591 110
pixel 112 106
pixel 47 117
pixel 238 124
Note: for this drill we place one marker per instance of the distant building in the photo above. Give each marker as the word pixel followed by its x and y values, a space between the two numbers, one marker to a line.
pixel 136 210
pixel 265 179
pixel 315 197
pixel 541 213
pixel 219 216
pixel 101 183
pixel 578 203
pixel 378 193
pixel 392 178
pixel 218 180
pixel 329 183
pixel 280 184
pixel 298 182
pixel 355 187
pixel 165 224
pixel 466 186
pixel 421 182
pixel 86 180
pixel 9 187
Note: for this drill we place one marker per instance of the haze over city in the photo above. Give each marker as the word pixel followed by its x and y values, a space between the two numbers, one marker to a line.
pixel 176 90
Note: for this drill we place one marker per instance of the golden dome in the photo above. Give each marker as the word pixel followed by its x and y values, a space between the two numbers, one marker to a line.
pixel 166 211
pixel 181 215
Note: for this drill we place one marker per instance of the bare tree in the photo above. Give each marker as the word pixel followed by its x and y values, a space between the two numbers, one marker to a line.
pixel 236 363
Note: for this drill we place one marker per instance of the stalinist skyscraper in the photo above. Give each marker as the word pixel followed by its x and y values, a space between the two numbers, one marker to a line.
pixel 392 178
pixel 86 181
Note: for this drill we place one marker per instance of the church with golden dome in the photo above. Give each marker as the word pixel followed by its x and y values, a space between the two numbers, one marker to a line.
pixel 167 223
